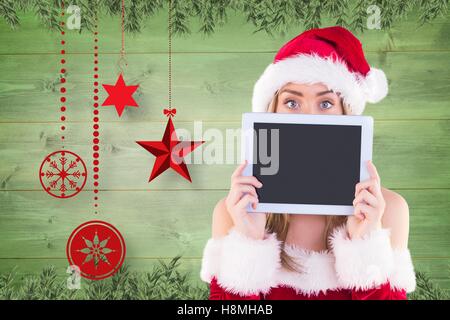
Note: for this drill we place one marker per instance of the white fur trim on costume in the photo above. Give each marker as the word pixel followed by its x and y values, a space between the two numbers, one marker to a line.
pixel 403 276
pixel 311 68
pixel 211 259
pixel 248 266
pixel 317 271
pixel 363 263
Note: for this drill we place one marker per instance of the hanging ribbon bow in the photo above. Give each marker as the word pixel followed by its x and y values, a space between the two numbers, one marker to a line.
pixel 170 112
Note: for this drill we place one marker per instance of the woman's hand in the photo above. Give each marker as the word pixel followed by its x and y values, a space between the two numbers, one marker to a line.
pixel 369 205
pixel 243 192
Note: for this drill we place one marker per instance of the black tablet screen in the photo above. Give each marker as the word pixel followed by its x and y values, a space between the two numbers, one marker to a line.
pixel 317 164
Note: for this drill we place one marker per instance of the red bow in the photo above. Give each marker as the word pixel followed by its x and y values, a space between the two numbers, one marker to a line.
pixel 170 112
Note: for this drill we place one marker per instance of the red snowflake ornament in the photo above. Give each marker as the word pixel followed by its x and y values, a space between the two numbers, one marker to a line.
pixel 97 248
pixel 63 174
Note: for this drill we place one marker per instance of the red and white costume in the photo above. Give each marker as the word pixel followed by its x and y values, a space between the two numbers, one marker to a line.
pixel 237 267
pixel 241 268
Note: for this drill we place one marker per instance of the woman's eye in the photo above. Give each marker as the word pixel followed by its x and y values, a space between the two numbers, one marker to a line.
pixel 291 104
pixel 326 104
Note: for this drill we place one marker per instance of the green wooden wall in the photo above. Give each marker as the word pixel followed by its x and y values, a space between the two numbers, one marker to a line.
pixel 213 79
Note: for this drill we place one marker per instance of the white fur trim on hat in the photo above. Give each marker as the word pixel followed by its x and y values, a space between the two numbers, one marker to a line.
pixel 248 266
pixel 403 276
pixel 317 271
pixel 355 89
pixel 363 263
pixel 211 259
pixel 375 85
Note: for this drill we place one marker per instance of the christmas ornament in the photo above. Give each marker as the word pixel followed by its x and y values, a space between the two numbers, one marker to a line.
pixel 170 151
pixel 97 248
pixel 63 174
pixel 120 95
pixel 96 120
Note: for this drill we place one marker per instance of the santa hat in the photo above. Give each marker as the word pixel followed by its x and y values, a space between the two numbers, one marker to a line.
pixel 332 56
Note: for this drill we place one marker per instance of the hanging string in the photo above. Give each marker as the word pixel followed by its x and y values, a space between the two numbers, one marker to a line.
pixel 170 55
pixel 122 50
pixel 170 112
pixel 122 61
pixel 63 75
pixel 96 119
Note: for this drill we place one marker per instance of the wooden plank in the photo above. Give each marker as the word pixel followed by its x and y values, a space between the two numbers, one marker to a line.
pixel 235 36
pixel 167 223
pixel 408 154
pixel 205 87
pixel 35 225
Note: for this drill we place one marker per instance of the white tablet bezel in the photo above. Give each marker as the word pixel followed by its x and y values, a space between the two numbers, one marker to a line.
pixel 249 118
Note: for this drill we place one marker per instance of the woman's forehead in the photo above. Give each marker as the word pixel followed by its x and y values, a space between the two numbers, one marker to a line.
pixel 304 86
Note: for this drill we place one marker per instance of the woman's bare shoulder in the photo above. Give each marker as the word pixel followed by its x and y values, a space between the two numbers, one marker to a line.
pixel 221 222
pixel 396 217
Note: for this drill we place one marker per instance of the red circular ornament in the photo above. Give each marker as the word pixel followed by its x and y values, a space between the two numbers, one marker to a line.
pixel 63 174
pixel 97 248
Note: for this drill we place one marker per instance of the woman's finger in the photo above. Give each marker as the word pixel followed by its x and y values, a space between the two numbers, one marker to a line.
pixel 239 170
pixel 370 184
pixel 367 211
pixel 247 180
pixel 237 192
pixel 366 196
pixel 245 188
pixel 373 171
pixel 248 198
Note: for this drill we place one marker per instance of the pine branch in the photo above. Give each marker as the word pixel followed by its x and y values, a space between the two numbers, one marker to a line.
pixel 338 9
pixel 359 19
pixel 206 16
pixel 149 8
pixel 113 7
pixel 253 10
pixel 271 16
pixel 7 291
pixel 165 281
pixel 221 11
pixel 48 14
pixel 432 9
pixel 427 290
pixel 23 5
pixel 8 12
pixel 313 16
pixel 179 18
pixel 133 17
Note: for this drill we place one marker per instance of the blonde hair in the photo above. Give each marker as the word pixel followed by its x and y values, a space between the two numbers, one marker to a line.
pixel 279 223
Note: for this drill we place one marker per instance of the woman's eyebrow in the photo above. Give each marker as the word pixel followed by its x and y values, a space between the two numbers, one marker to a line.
pixel 323 92
pixel 301 95
pixel 292 91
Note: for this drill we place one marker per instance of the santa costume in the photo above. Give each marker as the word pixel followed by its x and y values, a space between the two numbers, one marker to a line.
pixel 243 268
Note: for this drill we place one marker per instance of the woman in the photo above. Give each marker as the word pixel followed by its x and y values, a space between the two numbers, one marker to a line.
pixel 297 256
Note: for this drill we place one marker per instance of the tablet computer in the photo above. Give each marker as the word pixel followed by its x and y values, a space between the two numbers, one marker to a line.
pixel 308 164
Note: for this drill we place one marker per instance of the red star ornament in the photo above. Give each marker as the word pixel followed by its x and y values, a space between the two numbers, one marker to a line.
pixel 170 152
pixel 120 95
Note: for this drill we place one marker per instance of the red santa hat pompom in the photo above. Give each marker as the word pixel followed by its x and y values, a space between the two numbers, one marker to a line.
pixel 332 56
